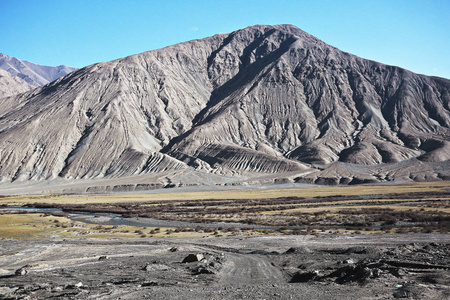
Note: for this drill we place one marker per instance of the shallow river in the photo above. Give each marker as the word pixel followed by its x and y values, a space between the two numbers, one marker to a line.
pixel 117 220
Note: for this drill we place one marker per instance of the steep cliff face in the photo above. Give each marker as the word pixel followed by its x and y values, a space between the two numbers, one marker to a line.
pixel 264 99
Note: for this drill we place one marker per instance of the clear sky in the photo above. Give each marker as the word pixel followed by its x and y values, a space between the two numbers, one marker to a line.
pixel 413 34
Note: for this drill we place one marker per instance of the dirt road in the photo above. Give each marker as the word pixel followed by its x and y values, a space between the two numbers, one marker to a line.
pixel 412 266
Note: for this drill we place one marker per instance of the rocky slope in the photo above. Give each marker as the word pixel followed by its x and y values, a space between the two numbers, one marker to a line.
pixel 261 100
pixel 12 85
pixel 34 74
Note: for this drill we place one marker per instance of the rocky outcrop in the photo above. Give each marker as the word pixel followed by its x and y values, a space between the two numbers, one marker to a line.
pixel 261 100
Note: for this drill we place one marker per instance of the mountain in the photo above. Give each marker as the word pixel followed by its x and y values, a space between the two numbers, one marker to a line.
pixel 11 85
pixel 259 104
pixel 33 74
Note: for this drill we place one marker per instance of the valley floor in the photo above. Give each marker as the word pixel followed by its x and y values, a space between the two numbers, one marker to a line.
pixel 386 266
pixel 360 242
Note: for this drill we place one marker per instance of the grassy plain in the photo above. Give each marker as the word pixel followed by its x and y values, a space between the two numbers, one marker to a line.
pixel 37 225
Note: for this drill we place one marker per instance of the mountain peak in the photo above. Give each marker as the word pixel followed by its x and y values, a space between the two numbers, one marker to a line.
pixel 260 102
pixel 287 28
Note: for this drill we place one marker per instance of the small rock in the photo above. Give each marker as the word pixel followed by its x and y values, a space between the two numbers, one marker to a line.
pixel 400 294
pixel 305 277
pixel 103 257
pixel 173 249
pixel 376 273
pixel 204 270
pixel 155 267
pixel 349 261
pixel 21 272
pixel 73 286
pixel 399 273
pixel 151 283
pixel 147 268
pixel 193 258
pixel 357 250
pixel 298 250
pixel 352 273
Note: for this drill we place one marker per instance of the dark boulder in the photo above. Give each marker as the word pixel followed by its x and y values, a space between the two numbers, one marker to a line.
pixel 193 258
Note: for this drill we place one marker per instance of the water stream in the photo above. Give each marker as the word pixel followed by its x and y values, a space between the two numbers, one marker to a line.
pixel 117 220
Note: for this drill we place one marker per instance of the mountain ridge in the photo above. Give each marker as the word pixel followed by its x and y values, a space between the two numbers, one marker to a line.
pixel 12 85
pixel 34 74
pixel 260 100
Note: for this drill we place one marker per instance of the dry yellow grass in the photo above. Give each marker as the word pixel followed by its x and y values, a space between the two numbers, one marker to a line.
pixel 26 225
pixel 308 192
pixel 37 225
pixel 363 202
pixel 333 209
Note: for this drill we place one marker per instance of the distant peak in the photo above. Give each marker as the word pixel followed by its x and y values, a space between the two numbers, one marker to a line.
pixel 288 28
pixel 277 26
pixel 4 56
pixel 33 74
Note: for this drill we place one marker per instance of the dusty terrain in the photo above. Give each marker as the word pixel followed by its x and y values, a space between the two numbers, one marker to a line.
pixel 361 242
pixel 412 266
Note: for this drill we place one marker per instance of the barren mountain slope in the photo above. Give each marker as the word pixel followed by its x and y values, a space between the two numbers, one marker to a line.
pixel 12 85
pixel 309 101
pixel 107 119
pixel 34 74
pixel 264 99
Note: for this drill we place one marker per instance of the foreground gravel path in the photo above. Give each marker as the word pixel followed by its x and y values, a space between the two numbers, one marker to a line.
pixel 413 266
pixel 246 269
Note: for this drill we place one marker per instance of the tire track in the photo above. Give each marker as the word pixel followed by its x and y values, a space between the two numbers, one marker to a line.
pixel 249 269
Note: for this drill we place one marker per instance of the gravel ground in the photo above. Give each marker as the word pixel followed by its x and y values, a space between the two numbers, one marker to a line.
pixel 410 266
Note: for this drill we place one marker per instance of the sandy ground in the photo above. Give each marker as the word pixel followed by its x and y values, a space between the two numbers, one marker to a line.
pixel 411 266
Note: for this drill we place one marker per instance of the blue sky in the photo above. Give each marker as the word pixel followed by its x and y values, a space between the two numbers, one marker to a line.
pixel 408 33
